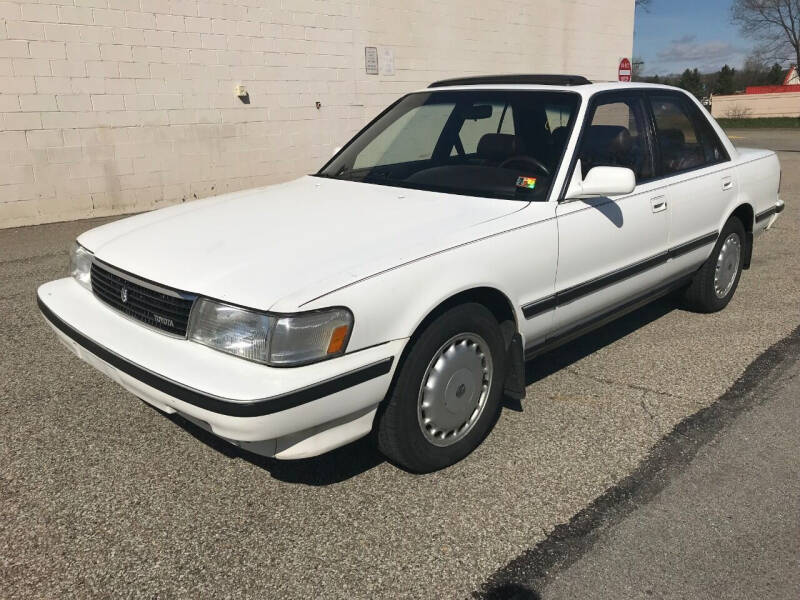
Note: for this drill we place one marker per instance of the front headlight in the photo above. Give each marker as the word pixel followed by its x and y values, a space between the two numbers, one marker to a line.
pixel 278 340
pixel 80 265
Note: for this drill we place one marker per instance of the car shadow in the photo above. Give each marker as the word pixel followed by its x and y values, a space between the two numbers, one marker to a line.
pixel 570 353
pixel 511 591
pixel 361 456
pixel 608 208
pixel 332 467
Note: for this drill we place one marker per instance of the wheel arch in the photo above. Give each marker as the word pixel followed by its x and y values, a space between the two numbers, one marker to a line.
pixel 499 304
pixel 745 213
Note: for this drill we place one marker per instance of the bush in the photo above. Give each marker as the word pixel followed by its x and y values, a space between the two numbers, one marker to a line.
pixel 737 112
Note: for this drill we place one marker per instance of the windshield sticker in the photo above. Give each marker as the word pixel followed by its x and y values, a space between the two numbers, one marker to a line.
pixel 526 182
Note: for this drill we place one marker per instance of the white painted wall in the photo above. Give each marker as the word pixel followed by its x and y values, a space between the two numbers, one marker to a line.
pixel 116 106
pixel 782 104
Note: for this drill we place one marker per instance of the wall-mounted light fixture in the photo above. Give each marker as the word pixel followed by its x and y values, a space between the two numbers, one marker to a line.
pixel 242 93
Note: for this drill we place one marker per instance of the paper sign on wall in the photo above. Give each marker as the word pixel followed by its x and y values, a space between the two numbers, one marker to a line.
pixel 371 60
pixel 387 61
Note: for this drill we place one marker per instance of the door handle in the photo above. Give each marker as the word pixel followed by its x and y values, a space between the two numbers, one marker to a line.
pixel 659 203
pixel 727 183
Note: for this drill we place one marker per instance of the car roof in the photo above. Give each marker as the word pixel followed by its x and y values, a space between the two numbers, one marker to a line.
pixel 523 78
pixel 585 90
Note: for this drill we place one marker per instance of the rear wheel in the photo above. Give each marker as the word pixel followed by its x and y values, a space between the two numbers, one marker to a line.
pixel 714 284
pixel 447 394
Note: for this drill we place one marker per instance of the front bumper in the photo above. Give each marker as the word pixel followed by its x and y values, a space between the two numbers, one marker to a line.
pixel 286 412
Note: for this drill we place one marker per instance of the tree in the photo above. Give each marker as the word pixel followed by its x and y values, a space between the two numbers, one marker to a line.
pixel 774 23
pixel 775 75
pixel 691 82
pixel 725 83
pixel 756 71
pixel 753 72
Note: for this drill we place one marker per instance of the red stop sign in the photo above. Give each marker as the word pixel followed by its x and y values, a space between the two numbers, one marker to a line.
pixel 624 70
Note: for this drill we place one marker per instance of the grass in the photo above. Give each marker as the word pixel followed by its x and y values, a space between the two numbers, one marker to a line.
pixel 760 123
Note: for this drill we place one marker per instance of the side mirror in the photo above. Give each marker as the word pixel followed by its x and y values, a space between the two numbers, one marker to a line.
pixel 600 182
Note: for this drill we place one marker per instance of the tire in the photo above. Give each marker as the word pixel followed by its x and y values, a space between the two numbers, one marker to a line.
pixel 705 294
pixel 462 345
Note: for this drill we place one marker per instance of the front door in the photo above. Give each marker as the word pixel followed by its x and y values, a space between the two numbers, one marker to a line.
pixel 611 250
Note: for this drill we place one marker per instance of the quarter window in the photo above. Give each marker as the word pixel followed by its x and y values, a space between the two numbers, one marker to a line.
pixel 712 146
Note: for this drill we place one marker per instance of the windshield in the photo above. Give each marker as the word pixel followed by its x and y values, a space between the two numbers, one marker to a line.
pixel 501 144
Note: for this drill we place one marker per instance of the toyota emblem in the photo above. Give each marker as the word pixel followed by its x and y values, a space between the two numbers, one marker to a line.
pixel 124 295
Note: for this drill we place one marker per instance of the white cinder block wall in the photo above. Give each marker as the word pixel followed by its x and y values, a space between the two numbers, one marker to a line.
pixel 781 104
pixel 117 106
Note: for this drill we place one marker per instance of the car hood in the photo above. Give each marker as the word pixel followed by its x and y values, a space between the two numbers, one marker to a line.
pixel 308 236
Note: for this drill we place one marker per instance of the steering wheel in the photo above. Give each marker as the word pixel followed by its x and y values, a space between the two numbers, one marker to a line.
pixel 528 160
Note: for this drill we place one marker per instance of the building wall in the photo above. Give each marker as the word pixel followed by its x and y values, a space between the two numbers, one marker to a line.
pixel 785 104
pixel 117 106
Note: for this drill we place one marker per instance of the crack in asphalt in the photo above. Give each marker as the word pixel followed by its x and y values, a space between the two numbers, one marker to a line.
pixel 28 259
pixel 524 576
pixel 12 296
pixel 624 384
pixel 646 409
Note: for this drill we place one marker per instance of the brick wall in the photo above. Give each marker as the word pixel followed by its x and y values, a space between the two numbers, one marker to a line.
pixel 116 106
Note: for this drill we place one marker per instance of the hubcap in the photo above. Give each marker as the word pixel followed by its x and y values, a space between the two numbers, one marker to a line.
pixel 454 389
pixel 727 265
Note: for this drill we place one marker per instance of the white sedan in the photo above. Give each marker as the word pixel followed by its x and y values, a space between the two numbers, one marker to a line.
pixel 398 291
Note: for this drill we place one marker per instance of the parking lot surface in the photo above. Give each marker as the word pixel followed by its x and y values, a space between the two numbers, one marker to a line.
pixel 102 496
pixel 727 526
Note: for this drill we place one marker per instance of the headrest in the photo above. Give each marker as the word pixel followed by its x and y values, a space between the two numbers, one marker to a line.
pixel 559 136
pixel 672 137
pixel 603 135
pixel 498 146
pixel 621 142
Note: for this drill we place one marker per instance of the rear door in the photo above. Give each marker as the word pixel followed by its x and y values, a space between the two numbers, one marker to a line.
pixel 611 250
pixel 696 174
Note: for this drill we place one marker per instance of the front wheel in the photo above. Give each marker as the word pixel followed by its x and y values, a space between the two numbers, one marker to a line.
pixel 714 284
pixel 447 394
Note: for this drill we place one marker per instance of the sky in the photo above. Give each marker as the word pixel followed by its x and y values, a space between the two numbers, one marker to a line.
pixel 678 34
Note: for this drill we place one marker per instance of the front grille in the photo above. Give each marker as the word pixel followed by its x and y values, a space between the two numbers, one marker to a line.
pixel 159 310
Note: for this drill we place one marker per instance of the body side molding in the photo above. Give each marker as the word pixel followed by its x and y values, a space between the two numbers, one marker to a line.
pixel 604 318
pixel 574 292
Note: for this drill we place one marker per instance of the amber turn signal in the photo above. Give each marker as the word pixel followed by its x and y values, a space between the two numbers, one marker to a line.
pixel 338 338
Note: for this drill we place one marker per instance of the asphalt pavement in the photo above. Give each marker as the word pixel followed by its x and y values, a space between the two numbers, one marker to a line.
pixel 102 496
pixel 726 526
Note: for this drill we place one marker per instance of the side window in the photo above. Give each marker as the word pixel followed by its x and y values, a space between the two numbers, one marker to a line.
pixel 501 120
pixel 679 141
pixel 615 137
